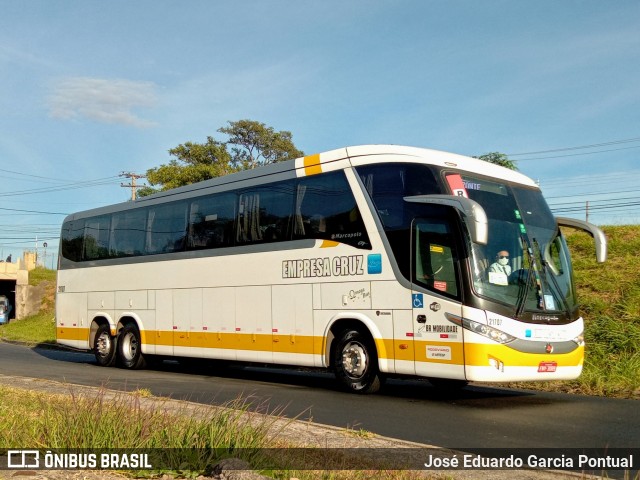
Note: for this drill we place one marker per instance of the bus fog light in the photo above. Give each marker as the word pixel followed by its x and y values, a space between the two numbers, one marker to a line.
pixel 496 363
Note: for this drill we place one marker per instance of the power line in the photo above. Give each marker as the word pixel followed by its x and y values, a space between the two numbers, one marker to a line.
pixel 590 194
pixel 69 186
pixel 33 211
pixel 596 207
pixel 564 149
pixel 36 176
pixel 586 185
pixel 610 175
pixel 576 154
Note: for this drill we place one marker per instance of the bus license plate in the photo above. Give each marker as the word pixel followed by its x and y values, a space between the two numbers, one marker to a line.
pixel 547 367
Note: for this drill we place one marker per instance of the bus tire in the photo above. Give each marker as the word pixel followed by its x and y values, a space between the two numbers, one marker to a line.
pixel 356 362
pixel 105 346
pixel 130 348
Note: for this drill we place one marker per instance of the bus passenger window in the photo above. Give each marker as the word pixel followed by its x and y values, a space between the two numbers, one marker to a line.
pixel 128 233
pixel 325 209
pixel 264 214
pixel 211 221
pixel 166 229
pixel 72 240
pixel 96 238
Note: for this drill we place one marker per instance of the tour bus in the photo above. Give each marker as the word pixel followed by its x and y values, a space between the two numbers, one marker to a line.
pixel 370 261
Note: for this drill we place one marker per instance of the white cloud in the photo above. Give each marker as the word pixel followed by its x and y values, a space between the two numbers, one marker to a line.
pixel 102 100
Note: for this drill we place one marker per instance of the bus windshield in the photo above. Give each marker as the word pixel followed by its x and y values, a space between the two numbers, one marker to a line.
pixel 525 264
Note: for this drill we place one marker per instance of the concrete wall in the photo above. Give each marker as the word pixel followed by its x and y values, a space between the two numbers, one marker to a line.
pixel 8 271
pixel 29 299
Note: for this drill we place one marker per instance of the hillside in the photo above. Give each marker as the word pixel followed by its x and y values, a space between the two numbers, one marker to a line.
pixel 609 295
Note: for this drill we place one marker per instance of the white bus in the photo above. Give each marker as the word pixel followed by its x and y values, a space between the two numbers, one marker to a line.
pixel 371 261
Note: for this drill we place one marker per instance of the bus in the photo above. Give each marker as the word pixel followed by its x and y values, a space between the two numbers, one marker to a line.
pixel 369 261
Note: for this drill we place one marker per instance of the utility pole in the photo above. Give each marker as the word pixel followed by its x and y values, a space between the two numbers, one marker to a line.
pixel 133 186
pixel 587 211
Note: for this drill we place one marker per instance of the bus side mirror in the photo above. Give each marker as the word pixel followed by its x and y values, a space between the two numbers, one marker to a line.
pixel 474 215
pixel 597 234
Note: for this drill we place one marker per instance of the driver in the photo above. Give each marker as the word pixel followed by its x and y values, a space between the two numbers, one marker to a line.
pixel 501 265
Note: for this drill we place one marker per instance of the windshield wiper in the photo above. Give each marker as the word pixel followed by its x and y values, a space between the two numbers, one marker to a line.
pixel 522 300
pixel 546 268
pixel 524 292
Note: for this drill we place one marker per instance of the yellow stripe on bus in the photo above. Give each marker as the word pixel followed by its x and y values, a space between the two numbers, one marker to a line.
pixel 475 354
pixel 312 164
pixel 329 244
pixel 72 333
pixel 263 342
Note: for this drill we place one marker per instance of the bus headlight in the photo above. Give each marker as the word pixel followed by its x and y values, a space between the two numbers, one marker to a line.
pixel 480 328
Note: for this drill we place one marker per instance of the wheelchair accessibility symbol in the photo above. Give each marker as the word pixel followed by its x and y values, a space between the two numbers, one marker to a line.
pixel 418 301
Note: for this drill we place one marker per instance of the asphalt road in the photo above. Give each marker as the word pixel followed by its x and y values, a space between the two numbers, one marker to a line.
pixel 476 417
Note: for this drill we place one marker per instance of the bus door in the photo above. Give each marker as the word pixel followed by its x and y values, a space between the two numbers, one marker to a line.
pixel 436 291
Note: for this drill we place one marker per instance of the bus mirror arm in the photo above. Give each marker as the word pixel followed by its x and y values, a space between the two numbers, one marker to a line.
pixel 597 234
pixel 473 213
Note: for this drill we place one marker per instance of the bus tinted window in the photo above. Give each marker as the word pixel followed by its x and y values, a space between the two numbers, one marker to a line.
pixel 264 213
pixel 72 239
pixel 96 238
pixel 167 228
pixel 211 221
pixel 128 233
pixel 317 207
pixel 388 184
pixel 326 209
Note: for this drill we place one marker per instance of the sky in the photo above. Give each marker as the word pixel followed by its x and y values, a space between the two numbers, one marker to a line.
pixel 90 89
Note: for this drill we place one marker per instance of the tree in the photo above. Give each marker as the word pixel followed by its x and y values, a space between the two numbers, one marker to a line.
pixel 256 144
pixel 499 159
pixel 194 162
pixel 250 144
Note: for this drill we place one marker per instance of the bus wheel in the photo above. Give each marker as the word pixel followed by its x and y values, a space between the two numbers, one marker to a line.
pixel 356 363
pixel 130 348
pixel 105 346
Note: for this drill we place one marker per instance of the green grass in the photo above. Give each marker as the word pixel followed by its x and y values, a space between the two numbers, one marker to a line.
pixel 40 328
pixel 40 274
pixel 609 297
pixel 189 438
pixel 99 421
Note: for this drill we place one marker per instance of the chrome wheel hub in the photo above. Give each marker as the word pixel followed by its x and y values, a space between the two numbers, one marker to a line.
pixel 354 359
pixel 103 344
pixel 129 346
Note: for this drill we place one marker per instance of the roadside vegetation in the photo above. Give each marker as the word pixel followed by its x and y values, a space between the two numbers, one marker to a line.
pixel 193 438
pixel 39 328
pixel 609 295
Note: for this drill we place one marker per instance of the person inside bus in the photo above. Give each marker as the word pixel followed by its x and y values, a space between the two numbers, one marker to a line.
pixel 501 264
pixel 500 270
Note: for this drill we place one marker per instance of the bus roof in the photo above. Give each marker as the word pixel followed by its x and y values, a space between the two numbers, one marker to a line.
pixel 335 160
pixel 362 155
